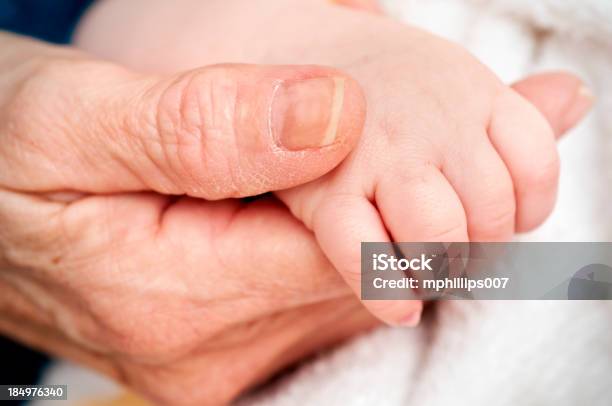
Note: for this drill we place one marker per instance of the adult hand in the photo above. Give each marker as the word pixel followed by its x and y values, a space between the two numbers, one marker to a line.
pixel 101 263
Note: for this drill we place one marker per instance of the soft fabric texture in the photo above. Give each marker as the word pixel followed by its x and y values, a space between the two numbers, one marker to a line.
pixel 468 353
pixel 494 353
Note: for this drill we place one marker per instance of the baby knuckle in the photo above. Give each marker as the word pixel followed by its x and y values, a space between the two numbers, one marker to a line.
pixel 445 232
pixel 544 174
pixel 492 223
pixel 496 209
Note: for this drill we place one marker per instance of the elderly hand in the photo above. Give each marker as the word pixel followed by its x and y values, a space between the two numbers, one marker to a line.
pixel 105 259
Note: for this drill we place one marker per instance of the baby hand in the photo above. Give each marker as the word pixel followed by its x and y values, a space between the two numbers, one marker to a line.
pixel 448 154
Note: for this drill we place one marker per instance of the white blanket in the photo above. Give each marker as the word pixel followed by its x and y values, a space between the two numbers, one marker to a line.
pixel 492 353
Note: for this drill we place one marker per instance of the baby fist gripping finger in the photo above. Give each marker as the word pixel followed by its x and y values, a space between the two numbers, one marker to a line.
pixel 462 188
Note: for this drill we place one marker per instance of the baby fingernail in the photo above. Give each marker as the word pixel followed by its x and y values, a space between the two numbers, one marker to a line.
pixel 411 320
pixel 306 113
pixel 583 101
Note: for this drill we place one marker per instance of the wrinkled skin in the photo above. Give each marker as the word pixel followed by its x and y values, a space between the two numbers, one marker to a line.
pixel 447 152
pixel 205 298
pixel 184 300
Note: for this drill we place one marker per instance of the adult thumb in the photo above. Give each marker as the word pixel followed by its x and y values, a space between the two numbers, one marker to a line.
pixel 240 130
pixel 215 132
